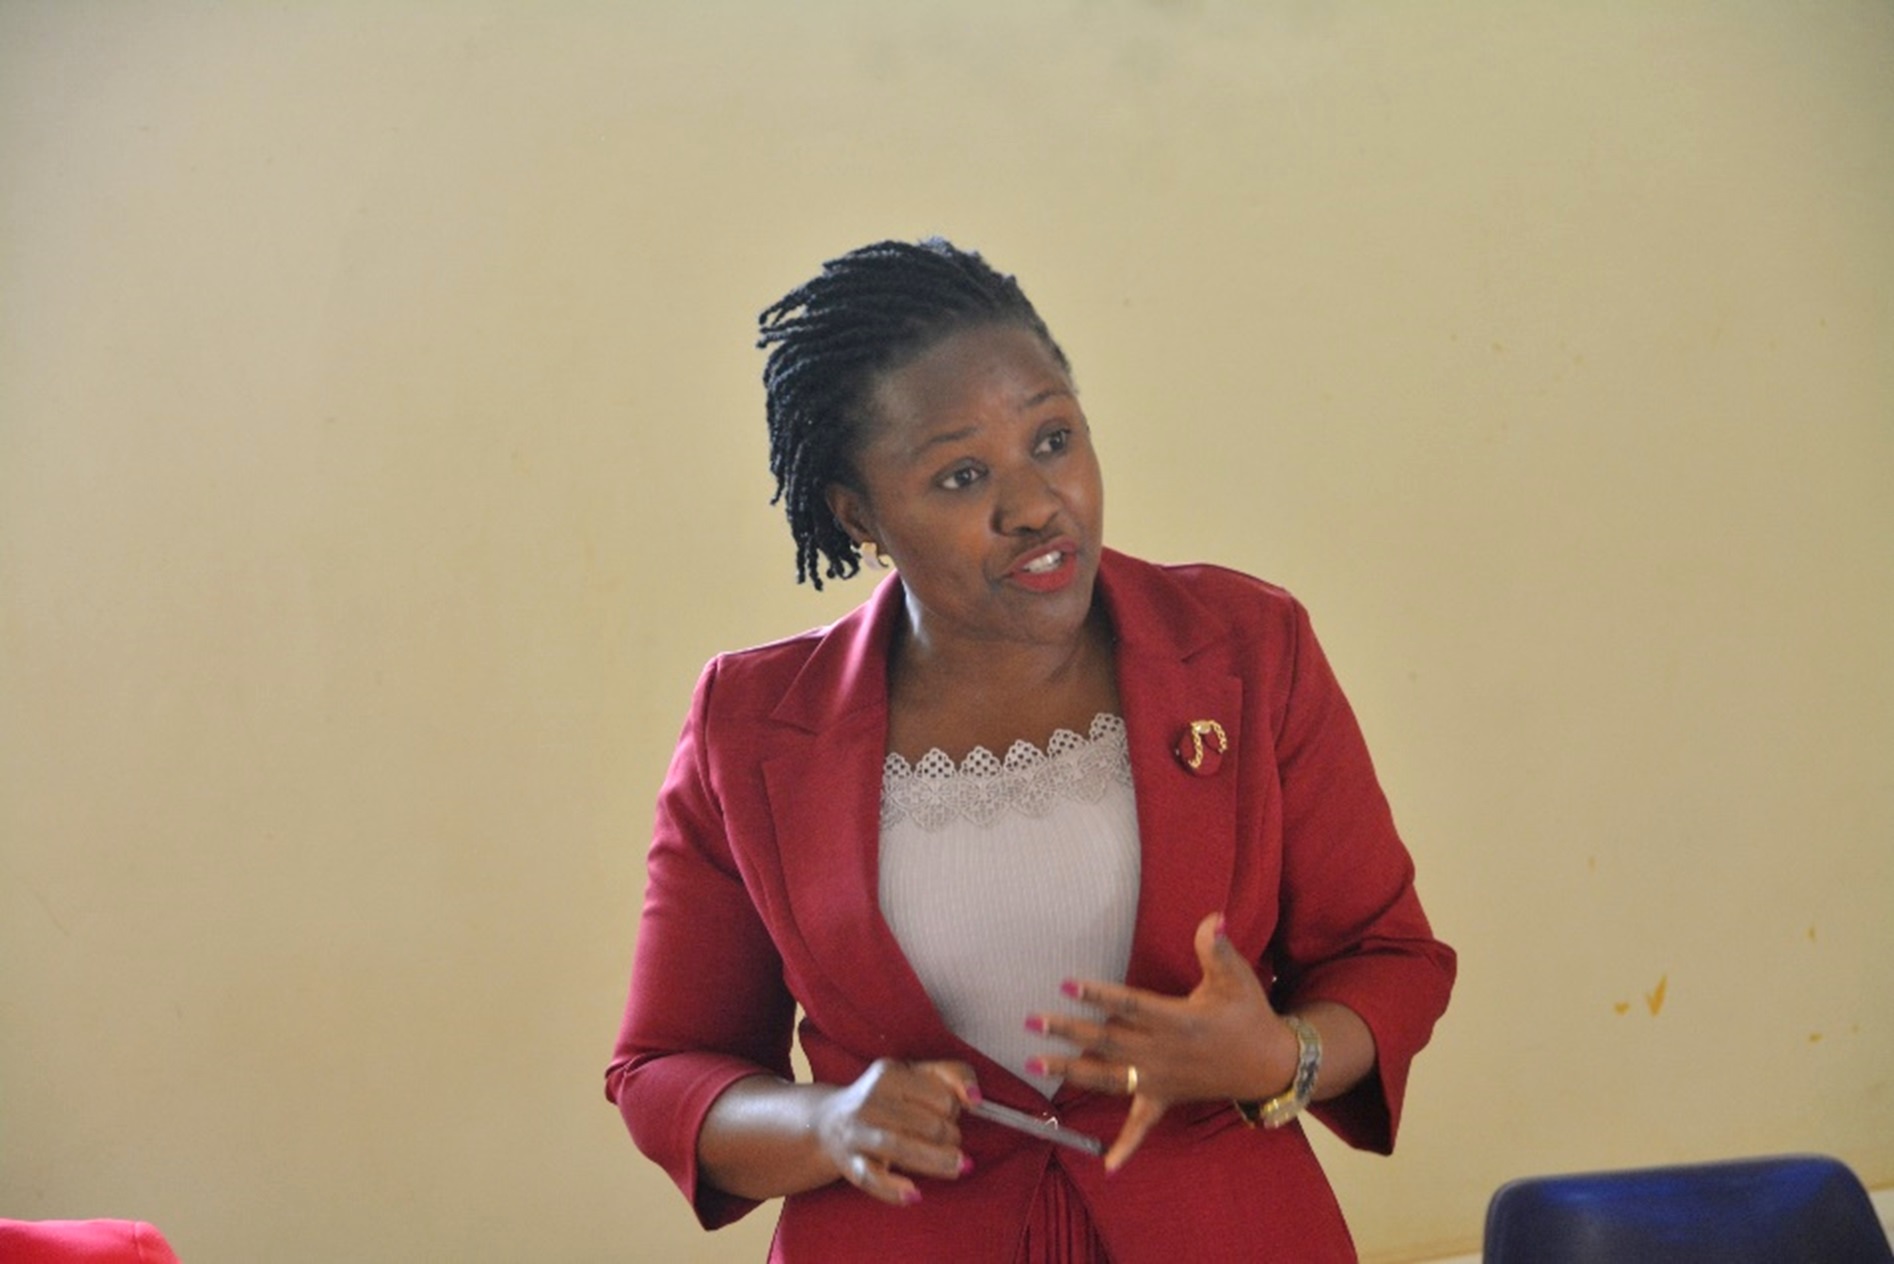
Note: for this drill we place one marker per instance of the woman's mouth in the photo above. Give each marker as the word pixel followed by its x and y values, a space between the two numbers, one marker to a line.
pixel 1048 571
pixel 1041 565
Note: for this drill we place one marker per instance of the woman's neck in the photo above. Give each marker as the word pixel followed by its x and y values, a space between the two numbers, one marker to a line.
pixel 957 696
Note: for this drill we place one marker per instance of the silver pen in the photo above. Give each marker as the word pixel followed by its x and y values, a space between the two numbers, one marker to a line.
pixel 1046 1129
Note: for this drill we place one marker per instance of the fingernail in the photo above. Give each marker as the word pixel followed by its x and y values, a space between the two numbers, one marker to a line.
pixel 1035 1066
pixel 909 1197
pixel 1034 1023
pixel 1071 988
pixel 974 1095
pixel 966 1164
pixel 1223 927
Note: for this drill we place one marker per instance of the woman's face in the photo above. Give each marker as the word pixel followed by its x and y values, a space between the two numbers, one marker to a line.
pixel 979 481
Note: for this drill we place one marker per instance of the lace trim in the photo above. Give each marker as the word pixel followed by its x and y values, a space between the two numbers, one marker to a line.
pixel 934 793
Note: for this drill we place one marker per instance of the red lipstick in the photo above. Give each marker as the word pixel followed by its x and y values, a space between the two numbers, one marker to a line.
pixel 1042 578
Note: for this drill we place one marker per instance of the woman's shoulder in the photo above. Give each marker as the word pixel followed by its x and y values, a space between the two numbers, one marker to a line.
pixel 1204 595
pixel 779 660
pixel 805 672
pixel 1217 580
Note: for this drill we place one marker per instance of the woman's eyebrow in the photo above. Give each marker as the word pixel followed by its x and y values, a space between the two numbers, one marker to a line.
pixel 967 432
pixel 950 436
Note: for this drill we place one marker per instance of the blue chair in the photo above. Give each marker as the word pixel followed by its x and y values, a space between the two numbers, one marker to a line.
pixel 1796 1209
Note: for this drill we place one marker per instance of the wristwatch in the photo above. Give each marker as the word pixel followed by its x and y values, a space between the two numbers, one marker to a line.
pixel 1286 1105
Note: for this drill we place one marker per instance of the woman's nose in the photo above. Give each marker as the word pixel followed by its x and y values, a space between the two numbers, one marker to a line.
pixel 1027 502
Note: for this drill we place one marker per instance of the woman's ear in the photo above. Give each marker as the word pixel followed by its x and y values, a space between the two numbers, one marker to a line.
pixel 850 508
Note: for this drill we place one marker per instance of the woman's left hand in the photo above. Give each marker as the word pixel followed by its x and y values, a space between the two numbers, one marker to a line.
pixel 1222 1041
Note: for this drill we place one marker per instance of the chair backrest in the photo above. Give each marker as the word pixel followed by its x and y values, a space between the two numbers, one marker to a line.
pixel 1793 1209
pixel 83 1242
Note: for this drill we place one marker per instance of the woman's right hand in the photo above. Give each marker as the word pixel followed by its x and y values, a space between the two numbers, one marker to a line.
pixel 898 1119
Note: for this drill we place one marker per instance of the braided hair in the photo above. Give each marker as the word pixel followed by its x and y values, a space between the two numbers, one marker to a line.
pixel 870 311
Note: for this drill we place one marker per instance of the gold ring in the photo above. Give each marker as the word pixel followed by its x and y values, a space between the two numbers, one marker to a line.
pixel 1131 1080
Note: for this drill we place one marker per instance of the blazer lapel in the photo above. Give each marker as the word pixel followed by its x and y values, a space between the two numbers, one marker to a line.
pixel 1186 820
pixel 824 792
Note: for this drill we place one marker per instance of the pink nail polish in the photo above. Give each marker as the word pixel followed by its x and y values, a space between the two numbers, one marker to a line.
pixel 974 1095
pixel 909 1197
pixel 1071 988
pixel 1035 1066
pixel 1223 926
pixel 966 1164
pixel 1035 1024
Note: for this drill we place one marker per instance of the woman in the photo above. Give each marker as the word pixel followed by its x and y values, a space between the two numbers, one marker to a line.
pixel 1174 914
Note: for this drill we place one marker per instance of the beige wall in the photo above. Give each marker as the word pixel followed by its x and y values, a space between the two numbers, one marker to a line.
pixel 381 454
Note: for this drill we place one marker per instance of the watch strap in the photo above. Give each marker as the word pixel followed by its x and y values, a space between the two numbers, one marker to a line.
pixel 1276 1111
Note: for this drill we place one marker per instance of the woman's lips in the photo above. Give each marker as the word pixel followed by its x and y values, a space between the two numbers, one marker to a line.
pixel 1048 570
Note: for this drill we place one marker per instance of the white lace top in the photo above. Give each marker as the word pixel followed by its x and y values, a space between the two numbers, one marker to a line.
pixel 1001 878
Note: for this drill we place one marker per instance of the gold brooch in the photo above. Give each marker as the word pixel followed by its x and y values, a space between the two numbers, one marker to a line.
pixel 1201 757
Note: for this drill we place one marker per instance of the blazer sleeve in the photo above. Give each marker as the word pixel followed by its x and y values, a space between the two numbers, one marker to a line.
pixel 708 1005
pixel 1350 927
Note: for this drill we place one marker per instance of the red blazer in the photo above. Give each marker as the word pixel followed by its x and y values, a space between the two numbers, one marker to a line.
pixel 762 897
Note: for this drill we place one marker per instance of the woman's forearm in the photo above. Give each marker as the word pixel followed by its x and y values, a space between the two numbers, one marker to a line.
pixel 759 1139
pixel 1348 1053
pixel 764 1138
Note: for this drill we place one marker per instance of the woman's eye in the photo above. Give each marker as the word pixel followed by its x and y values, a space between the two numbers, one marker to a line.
pixel 1058 441
pixel 955 480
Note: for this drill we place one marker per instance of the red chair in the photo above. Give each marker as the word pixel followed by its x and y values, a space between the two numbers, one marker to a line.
pixel 83 1242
